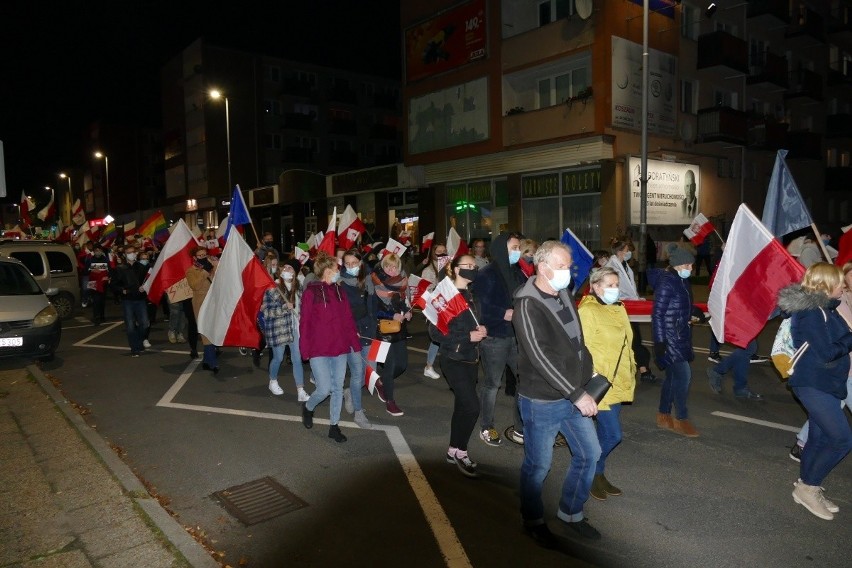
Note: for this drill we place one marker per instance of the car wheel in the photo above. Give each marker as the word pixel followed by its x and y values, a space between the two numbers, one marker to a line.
pixel 64 304
pixel 46 358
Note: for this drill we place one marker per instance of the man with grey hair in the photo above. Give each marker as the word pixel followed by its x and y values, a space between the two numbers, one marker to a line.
pixel 553 364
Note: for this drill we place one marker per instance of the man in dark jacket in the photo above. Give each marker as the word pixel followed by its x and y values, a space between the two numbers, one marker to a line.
pixel 554 364
pixel 494 287
pixel 127 283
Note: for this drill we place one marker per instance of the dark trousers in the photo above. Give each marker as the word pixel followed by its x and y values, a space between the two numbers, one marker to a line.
pixel 191 327
pixel 395 365
pixel 643 356
pixel 461 377
pixel 98 300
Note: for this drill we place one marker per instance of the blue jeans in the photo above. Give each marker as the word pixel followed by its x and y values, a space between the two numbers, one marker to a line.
pixel 830 437
pixel 177 319
pixel 135 322
pixel 675 389
pixel 432 353
pixel 496 353
pixel 329 373
pixel 738 362
pixel 714 343
pixel 356 360
pixel 542 420
pixel 802 436
pixel 210 356
pixel 609 433
pixel 295 356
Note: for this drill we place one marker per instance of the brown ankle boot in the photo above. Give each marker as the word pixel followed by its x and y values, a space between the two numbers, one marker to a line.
pixel 607 486
pixel 664 421
pixel 597 491
pixel 685 428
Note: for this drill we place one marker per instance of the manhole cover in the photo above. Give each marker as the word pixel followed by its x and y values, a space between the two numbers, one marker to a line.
pixel 258 501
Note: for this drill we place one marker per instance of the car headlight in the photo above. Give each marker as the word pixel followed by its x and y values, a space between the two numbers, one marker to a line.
pixel 47 316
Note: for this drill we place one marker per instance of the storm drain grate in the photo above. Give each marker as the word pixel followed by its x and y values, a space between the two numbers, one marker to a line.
pixel 259 500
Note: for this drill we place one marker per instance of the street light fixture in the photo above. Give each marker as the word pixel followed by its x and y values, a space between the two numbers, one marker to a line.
pixel 216 94
pixel 100 155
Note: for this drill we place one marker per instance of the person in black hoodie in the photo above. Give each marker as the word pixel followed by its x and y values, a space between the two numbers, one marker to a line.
pixel 356 282
pixel 494 287
pixel 127 284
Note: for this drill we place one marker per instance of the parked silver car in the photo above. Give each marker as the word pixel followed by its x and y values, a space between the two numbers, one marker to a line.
pixel 30 326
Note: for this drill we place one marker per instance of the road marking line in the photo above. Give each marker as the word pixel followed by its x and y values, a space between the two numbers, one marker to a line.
pixel 448 541
pixel 109 327
pixel 775 425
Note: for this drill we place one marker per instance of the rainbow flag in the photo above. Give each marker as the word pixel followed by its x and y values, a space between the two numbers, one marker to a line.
pixel 154 226
pixel 109 234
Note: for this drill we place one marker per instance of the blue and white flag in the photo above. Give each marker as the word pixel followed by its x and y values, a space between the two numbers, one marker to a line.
pixel 239 214
pixel 581 259
pixel 785 210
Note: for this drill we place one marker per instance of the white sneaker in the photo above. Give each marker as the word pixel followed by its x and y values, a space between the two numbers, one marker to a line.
pixel 347 401
pixel 146 344
pixel 275 388
pixel 181 338
pixel 172 337
pixel 362 421
pixel 301 395
pixel 430 372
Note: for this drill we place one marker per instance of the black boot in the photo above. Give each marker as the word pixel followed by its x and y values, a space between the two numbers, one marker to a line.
pixel 307 417
pixel 335 434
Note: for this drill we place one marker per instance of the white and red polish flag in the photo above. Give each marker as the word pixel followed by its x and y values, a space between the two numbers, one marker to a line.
pixel 417 286
pixel 699 229
pixel 456 246
pixel 378 351
pixel 427 241
pixel 49 210
pixel 228 315
pixel 328 239
pixel 443 304
pixel 350 228
pixel 370 379
pixel 754 267
pixel 172 262
pixel 78 215
pixel 393 247
pixel 26 206
pixel 314 242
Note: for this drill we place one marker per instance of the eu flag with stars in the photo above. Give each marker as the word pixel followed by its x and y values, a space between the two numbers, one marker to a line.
pixel 582 259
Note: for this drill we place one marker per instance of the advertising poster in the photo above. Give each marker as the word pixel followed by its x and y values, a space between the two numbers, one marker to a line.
pixel 673 192
pixel 627 88
pixel 447 41
pixel 449 117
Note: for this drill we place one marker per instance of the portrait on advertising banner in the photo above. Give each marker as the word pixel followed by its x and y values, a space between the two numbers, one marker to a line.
pixel 673 194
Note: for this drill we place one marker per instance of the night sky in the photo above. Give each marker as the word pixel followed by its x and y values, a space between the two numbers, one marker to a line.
pixel 66 64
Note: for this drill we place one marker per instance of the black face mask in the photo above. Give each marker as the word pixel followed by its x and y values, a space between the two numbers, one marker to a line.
pixel 468 273
pixel 204 263
pixel 267 243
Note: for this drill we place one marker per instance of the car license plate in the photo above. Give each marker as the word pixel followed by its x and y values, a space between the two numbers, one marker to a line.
pixel 11 341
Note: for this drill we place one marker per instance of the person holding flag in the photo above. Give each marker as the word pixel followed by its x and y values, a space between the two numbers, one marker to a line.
pixel 327 334
pixel 459 348
pixel 127 283
pixel 199 276
pixel 433 272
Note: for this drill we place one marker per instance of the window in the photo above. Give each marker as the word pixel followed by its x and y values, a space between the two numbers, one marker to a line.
pixel 272 141
pixel 272 73
pixel 559 88
pixel 32 260
pixel 723 98
pixel 340 114
pixel 757 50
pixel 301 108
pixel 307 142
pixel 689 97
pixel 59 262
pixel 690 20
pixel 306 77
pixel 272 106
pixel 553 10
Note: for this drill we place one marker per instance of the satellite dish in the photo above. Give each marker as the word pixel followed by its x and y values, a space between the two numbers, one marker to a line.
pixel 584 8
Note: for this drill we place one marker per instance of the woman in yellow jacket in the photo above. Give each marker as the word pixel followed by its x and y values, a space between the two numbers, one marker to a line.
pixel 608 336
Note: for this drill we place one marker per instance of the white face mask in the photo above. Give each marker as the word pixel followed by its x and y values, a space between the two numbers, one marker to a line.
pixel 560 279
pixel 300 278
pixel 288 276
pixel 628 255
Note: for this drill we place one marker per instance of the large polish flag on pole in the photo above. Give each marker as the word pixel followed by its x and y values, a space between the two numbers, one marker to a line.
pixel 228 315
pixel 350 228
pixel 172 262
pixel 754 267
pixel 443 304
pixel 328 239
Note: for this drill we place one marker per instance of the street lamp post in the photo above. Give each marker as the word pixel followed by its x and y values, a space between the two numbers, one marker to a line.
pixel 69 202
pixel 106 165
pixel 217 94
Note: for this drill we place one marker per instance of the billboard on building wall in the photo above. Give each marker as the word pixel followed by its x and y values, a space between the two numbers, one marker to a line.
pixel 627 88
pixel 449 40
pixel 664 7
pixel 449 117
pixel 673 192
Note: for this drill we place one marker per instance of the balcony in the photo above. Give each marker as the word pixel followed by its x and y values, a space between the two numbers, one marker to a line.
pixel 768 71
pixel 346 127
pixel 551 123
pixel 840 31
pixel 723 52
pixel 722 125
pixel 805 84
pixel 345 158
pixel 298 121
pixel 838 126
pixel 838 179
pixel 768 13
pixel 384 132
pixel 295 87
pixel 343 94
pixel 767 134
pixel 298 155
pixel 805 29
pixel 839 78
pixel 386 101
pixel 805 145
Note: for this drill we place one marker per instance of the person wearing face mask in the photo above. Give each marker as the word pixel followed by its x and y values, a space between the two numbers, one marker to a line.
pixel 358 285
pixel 670 322
pixel 265 247
pixel 480 253
pixel 820 380
pixel 199 276
pixel 494 287
pixel 292 287
pixel 144 258
pixel 621 255
pixel 459 363
pixel 434 273
pixel 553 365
pixel 127 284
pixel 97 269
pixel 327 334
pixel 528 248
pixel 608 335
pixel 280 309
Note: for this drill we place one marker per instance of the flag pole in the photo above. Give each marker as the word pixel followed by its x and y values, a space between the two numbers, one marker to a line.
pixel 820 243
pixel 474 316
pixel 715 230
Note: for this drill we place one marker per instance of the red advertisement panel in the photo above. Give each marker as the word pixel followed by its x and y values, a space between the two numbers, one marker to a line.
pixel 447 41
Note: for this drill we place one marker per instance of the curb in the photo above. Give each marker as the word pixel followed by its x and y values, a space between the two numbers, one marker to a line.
pixel 192 551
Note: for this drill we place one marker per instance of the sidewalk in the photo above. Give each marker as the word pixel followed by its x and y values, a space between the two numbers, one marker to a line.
pixel 66 499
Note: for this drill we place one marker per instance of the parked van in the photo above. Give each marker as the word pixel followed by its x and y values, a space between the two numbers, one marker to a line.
pixel 53 265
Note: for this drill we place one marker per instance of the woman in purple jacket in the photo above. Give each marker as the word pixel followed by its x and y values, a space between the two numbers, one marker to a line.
pixel 327 334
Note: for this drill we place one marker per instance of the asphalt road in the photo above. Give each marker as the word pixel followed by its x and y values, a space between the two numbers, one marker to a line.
pixel 387 498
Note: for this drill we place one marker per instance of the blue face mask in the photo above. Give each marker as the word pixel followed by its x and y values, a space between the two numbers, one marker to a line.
pixel 514 256
pixel 560 280
pixel 353 270
pixel 335 278
pixel 610 295
pixel 684 273
pixel 628 255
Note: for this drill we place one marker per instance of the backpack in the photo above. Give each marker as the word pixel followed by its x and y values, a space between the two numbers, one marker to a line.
pixel 784 354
